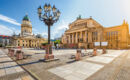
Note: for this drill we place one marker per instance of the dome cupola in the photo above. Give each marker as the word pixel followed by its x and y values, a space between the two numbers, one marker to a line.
pixel 26 21
pixel 26 18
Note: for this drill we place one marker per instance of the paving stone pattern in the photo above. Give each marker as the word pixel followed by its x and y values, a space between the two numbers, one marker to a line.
pixel 9 70
pixel 76 71
pixel 83 70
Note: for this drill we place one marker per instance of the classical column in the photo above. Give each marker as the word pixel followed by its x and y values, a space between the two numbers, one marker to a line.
pixel 69 38
pixel 76 37
pixel 81 34
pixel 100 36
pixel 72 35
pixel 85 38
pixel 89 37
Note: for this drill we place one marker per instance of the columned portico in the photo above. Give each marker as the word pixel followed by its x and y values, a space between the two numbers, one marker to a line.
pixel 87 31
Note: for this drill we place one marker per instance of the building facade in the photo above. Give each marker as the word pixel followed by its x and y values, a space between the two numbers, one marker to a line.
pixel 26 38
pixel 5 40
pixel 84 32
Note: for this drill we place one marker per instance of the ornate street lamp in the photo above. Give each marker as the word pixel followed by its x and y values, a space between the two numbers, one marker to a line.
pixel 49 17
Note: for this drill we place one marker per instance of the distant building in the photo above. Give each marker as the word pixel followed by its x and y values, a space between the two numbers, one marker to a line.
pixel 84 32
pixel 5 40
pixel 26 38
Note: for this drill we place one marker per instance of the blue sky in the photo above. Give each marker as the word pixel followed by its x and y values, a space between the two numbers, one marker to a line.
pixel 106 12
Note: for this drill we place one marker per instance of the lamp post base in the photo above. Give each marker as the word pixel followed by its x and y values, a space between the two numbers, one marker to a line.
pixel 49 54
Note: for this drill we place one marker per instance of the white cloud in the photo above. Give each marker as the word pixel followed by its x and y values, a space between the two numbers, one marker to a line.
pixel 15 30
pixel 59 29
pixel 34 30
pixel 44 34
pixel 10 20
pixel 4 30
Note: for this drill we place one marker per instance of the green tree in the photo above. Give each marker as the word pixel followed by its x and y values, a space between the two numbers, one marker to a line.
pixel 57 42
pixel 44 44
pixel 38 36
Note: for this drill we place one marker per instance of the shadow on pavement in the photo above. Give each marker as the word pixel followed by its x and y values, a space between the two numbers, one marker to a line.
pixel 71 61
pixel 22 64
pixel 6 61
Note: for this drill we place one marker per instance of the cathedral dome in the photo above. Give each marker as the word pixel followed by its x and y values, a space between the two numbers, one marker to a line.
pixel 26 21
pixel 26 18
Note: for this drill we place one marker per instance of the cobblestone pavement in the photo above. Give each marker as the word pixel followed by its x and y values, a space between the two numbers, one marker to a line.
pixel 116 70
pixel 111 66
pixel 82 70
pixel 9 70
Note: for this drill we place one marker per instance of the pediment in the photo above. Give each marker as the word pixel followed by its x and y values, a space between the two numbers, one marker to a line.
pixel 88 23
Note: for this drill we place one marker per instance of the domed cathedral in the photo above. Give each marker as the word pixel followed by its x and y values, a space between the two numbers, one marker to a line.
pixel 26 27
pixel 26 38
pixel 85 32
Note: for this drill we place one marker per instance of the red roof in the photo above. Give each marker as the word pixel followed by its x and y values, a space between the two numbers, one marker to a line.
pixel 4 36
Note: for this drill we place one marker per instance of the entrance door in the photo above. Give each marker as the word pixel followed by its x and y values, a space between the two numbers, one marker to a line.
pixel 88 46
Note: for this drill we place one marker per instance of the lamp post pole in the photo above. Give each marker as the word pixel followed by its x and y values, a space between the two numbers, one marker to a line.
pixel 49 35
pixel 49 16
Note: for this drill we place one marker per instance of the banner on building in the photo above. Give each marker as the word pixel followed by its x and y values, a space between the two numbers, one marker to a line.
pixel 104 43
pixel 96 43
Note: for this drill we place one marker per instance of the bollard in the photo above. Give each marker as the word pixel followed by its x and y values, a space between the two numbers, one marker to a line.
pixel 19 54
pixel 9 52
pixel 78 54
pixel 85 49
pixel 104 51
pixel 12 52
pixel 94 52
